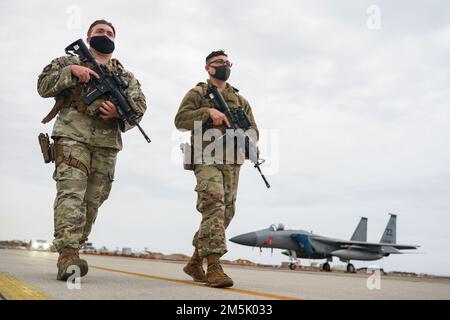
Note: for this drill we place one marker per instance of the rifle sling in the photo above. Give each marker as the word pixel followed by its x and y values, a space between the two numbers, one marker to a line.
pixel 61 101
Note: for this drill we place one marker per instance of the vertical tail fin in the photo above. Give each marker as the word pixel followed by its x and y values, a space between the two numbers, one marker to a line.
pixel 360 233
pixel 390 233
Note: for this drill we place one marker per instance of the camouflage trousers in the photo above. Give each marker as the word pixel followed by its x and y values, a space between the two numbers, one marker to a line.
pixel 80 193
pixel 216 197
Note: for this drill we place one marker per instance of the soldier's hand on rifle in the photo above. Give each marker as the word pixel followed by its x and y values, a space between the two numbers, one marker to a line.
pixel 82 73
pixel 108 111
pixel 218 117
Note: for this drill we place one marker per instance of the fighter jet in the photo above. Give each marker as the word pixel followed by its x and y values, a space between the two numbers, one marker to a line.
pixel 306 245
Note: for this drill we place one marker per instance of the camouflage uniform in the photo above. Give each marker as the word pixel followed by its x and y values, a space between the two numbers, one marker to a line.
pixel 86 148
pixel 217 183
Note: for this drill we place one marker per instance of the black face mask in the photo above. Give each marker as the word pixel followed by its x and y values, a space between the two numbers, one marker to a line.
pixel 102 44
pixel 222 73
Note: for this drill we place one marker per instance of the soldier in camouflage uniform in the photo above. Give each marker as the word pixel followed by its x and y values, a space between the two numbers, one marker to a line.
pixel 87 140
pixel 217 181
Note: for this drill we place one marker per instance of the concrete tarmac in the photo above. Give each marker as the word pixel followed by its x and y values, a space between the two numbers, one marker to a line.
pixel 32 275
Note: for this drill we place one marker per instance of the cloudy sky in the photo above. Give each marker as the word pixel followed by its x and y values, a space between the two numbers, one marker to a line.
pixel 354 110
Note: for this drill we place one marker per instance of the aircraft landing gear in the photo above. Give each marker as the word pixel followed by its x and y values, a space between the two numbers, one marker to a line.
pixel 293 259
pixel 351 268
pixel 326 267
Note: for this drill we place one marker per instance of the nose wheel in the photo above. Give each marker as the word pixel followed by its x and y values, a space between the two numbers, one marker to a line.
pixel 293 260
pixel 351 268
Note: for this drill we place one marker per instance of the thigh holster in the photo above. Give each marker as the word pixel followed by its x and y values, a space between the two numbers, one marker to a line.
pixel 60 157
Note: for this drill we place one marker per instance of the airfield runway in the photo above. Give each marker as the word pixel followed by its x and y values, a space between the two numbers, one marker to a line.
pixel 31 275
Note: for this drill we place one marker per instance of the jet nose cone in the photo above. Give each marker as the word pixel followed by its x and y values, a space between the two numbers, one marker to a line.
pixel 246 239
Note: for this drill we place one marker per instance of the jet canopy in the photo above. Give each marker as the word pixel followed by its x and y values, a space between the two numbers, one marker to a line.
pixel 274 227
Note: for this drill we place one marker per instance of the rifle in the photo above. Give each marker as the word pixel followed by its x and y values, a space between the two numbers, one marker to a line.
pixel 238 120
pixel 109 83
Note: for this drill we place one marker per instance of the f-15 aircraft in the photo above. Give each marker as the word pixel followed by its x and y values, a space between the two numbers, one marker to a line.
pixel 306 245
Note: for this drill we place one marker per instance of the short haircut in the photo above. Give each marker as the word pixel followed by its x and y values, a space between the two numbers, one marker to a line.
pixel 101 21
pixel 215 54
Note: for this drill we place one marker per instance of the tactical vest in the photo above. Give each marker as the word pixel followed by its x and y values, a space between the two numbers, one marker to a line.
pixel 202 87
pixel 71 98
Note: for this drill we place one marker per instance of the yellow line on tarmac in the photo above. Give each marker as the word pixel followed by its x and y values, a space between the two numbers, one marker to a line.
pixel 14 289
pixel 148 276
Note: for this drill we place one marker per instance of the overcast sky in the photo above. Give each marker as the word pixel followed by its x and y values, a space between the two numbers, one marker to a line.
pixel 358 118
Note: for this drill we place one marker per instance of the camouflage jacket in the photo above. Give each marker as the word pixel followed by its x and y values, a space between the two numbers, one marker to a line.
pixel 195 105
pixel 75 120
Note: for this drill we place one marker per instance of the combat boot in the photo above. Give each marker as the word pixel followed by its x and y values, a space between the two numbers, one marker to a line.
pixel 69 257
pixel 194 268
pixel 215 275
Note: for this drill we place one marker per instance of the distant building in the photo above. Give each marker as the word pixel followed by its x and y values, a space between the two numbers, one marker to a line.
pixel 126 251
pixel 88 247
pixel 41 245
pixel 244 262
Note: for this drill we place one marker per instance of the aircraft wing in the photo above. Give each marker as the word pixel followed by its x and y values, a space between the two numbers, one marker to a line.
pixel 371 245
pixel 404 246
